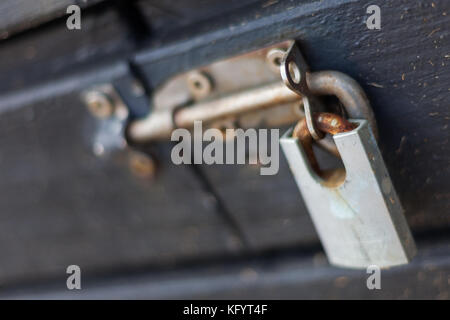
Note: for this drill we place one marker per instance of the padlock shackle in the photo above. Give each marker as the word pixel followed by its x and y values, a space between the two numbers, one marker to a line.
pixel 325 122
pixel 347 90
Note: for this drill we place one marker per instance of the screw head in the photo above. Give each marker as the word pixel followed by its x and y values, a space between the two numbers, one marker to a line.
pixel 200 85
pixel 274 58
pixel 99 104
pixel 142 165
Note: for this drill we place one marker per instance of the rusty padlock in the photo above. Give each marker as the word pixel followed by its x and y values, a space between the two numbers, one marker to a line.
pixel 356 211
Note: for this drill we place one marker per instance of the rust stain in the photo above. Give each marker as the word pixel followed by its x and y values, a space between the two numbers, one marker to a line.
pixel 269 3
pixel 142 165
pixel 376 85
pixel 400 147
pixel 433 32
pixel 332 124
pixel 327 123
pixel 341 282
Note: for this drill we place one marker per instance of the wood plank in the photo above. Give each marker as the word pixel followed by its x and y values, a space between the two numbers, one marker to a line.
pixel 289 276
pixel 62 204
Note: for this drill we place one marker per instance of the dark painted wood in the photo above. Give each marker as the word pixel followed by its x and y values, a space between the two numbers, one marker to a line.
pixel 404 69
pixel 62 205
pixel 169 16
pixel 42 54
pixel 282 276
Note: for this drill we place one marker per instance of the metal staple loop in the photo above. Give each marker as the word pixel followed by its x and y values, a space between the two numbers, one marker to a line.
pixel 347 90
pixel 297 77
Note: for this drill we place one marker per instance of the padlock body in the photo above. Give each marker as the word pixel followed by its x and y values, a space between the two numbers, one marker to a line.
pixel 359 219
